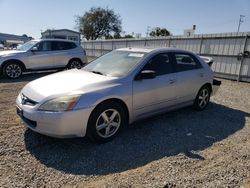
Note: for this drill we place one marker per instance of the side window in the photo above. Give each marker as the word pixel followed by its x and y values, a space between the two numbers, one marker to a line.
pixel 58 45
pixel 186 62
pixel 44 46
pixel 161 64
pixel 72 45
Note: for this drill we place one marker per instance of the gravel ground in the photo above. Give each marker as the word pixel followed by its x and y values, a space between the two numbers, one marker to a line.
pixel 184 148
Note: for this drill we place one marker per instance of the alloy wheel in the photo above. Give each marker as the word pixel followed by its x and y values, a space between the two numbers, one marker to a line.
pixel 75 64
pixel 13 71
pixel 108 123
pixel 203 98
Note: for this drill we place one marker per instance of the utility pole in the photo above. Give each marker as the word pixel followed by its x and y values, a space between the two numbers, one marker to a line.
pixel 240 22
pixel 148 30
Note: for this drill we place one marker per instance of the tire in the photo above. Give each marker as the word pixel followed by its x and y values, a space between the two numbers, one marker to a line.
pixel 202 98
pixel 105 122
pixel 75 64
pixel 12 70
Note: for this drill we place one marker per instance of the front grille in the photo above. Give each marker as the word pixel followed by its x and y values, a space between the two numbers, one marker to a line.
pixel 27 101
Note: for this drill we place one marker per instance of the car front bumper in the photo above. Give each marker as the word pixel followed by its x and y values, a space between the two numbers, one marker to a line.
pixel 55 124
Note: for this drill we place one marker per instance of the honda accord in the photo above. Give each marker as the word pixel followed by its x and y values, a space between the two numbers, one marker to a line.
pixel 116 89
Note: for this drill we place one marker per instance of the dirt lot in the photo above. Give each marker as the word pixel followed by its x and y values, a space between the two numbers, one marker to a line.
pixel 184 148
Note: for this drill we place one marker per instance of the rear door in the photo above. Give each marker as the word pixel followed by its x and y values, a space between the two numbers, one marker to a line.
pixel 190 76
pixel 153 95
pixel 63 52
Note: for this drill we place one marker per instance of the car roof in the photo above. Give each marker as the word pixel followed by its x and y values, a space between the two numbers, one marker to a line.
pixel 148 50
pixel 63 40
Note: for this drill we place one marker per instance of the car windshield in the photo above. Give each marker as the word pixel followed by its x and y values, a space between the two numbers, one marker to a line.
pixel 26 46
pixel 116 63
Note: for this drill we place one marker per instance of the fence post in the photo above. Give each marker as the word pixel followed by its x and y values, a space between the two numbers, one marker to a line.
pixel 145 42
pixel 169 43
pixel 201 45
pixel 112 42
pixel 126 43
pixel 92 48
pixel 242 59
pixel 166 44
pixel 101 47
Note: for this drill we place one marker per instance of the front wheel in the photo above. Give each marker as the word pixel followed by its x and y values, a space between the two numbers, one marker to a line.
pixel 202 98
pixel 105 122
pixel 12 70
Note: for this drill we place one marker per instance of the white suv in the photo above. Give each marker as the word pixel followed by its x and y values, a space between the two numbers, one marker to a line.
pixel 42 54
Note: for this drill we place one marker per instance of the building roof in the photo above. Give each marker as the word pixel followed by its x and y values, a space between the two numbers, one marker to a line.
pixel 12 36
pixel 56 30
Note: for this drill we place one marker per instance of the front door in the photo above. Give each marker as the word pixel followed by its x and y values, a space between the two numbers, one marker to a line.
pixel 42 57
pixel 153 95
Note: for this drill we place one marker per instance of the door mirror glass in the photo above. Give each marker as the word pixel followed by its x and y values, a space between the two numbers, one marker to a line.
pixel 146 74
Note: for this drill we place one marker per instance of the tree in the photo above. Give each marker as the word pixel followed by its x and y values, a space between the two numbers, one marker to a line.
pixel 159 32
pixel 29 37
pixel 99 22
pixel 128 36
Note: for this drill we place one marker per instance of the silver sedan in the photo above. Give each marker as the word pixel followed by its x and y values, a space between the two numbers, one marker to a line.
pixel 116 89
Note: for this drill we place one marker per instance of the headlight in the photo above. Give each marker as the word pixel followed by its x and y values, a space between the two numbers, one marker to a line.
pixel 60 104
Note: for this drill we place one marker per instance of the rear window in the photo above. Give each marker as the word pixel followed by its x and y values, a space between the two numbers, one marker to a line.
pixel 59 45
pixel 186 62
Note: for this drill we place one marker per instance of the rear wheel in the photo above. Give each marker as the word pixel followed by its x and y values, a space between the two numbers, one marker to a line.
pixel 202 98
pixel 75 64
pixel 12 70
pixel 105 122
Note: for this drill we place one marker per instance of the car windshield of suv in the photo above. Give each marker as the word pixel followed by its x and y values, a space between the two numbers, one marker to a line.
pixel 26 46
pixel 116 63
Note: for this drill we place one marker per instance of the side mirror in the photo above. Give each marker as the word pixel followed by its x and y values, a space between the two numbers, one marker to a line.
pixel 34 49
pixel 146 74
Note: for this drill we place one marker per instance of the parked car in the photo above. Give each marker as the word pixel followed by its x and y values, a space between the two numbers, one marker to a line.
pixel 118 88
pixel 1 47
pixel 42 54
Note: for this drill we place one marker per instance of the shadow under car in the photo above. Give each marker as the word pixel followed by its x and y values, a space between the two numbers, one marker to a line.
pixel 183 131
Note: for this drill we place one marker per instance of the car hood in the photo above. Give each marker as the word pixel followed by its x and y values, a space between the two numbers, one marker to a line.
pixel 10 52
pixel 67 82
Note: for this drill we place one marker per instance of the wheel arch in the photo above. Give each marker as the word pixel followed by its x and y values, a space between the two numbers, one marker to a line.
pixel 13 61
pixel 209 86
pixel 195 104
pixel 206 84
pixel 117 100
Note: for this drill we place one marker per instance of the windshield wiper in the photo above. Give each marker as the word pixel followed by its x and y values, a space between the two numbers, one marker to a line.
pixel 97 72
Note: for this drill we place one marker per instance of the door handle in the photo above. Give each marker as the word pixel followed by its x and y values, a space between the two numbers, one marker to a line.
pixel 171 81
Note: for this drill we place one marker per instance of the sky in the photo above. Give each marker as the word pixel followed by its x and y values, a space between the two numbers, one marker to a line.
pixel 210 16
